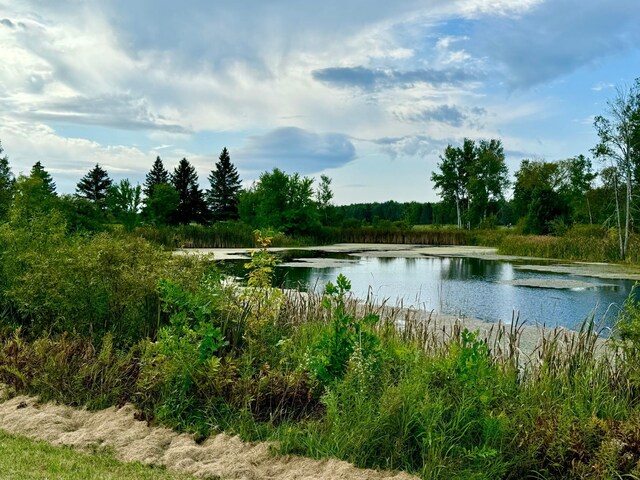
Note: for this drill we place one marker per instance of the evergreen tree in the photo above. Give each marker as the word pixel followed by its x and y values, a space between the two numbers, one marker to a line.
pixel 192 207
pixel 38 171
pixel 7 182
pixel 95 185
pixel 222 198
pixel 157 174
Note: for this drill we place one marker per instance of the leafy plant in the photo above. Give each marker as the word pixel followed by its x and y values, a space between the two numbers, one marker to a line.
pixel 331 354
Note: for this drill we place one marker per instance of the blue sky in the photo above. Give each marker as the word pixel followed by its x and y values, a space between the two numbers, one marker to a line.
pixel 367 92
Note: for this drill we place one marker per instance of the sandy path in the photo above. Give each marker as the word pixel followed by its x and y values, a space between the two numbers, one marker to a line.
pixel 131 440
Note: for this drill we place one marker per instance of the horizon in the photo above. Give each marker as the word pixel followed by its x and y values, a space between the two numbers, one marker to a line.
pixel 367 93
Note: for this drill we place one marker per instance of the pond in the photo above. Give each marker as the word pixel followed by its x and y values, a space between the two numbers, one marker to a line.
pixel 489 290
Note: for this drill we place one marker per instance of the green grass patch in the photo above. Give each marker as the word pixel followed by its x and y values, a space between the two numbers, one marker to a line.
pixel 22 458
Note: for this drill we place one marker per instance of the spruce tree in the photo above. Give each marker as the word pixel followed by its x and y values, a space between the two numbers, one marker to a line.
pixel 157 174
pixel 7 182
pixel 222 198
pixel 38 171
pixel 95 185
pixel 192 207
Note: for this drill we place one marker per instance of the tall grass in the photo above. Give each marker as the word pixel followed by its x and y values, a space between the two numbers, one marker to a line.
pixel 323 374
pixel 436 400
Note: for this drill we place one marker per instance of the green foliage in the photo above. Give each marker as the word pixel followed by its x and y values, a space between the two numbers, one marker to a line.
pixel 160 207
pixel 262 301
pixel 330 356
pixel 157 175
pixel 89 285
pixel 182 363
pixel 222 197
pixel 191 205
pixel 282 202
pixel 31 197
pixel 7 181
pixel 123 202
pixel 473 178
pixel 95 185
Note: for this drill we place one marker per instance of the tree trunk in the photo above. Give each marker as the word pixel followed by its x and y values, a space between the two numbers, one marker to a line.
pixel 618 222
pixel 458 212
pixel 627 222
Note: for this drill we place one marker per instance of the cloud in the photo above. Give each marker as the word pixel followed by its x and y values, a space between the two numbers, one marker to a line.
pixel 295 150
pixel 373 79
pixel 122 111
pixel 598 87
pixel 557 38
pixel 409 145
pixel 7 23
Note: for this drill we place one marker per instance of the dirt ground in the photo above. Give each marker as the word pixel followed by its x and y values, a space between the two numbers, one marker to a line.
pixel 220 456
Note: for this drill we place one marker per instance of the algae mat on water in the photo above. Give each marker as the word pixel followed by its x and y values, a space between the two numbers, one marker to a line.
pixel 134 441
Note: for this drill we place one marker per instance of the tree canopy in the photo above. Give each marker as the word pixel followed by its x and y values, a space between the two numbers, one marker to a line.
pixel 158 174
pixel 222 197
pixel 191 204
pixel 280 201
pixel 95 185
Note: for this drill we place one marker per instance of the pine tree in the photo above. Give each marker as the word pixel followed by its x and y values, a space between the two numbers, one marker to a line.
pixel 38 171
pixel 157 174
pixel 225 188
pixel 192 207
pixel 95 185
pixel 7 182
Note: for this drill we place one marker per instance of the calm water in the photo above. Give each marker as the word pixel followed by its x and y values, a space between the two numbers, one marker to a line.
pixel 470 287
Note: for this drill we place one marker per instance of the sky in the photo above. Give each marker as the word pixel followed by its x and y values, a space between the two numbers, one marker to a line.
pixel 368 92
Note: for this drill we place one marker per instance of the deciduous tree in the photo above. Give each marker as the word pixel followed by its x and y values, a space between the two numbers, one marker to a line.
pixel 619 134
pixel 7 182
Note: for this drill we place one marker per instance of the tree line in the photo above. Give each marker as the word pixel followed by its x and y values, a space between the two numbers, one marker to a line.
pixel 472 180
pixel 548 197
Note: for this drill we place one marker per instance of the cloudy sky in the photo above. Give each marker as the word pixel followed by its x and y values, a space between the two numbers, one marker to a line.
pixel 366 91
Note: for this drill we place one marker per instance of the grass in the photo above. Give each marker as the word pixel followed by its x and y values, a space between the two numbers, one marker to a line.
pixel 22 458
pixel 327 376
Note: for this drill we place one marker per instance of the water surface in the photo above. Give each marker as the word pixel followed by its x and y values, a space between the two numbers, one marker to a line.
pixel 470 287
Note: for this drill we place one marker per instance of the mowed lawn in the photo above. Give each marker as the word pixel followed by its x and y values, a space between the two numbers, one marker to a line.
pixel 23 458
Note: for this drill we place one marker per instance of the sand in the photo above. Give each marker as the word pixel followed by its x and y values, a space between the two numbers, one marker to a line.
pixel 221 456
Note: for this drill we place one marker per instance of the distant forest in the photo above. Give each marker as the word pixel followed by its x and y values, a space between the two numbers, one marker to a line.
pixel 471 178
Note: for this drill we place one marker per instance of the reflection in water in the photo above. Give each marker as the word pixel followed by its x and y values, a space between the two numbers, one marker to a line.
pixel 465 286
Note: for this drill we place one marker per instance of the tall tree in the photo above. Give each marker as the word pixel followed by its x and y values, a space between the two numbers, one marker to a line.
pixel 488 179
pixel 191 207
pixel 124 201
pixel 160 207
pixel 324 195
pixel 47 182
pixel 7 183
pixel 95 185
pixel 452 181
pixel 280 201
pixel 158 174
pixel 473 178
pixel 619 134
pixel 222 197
